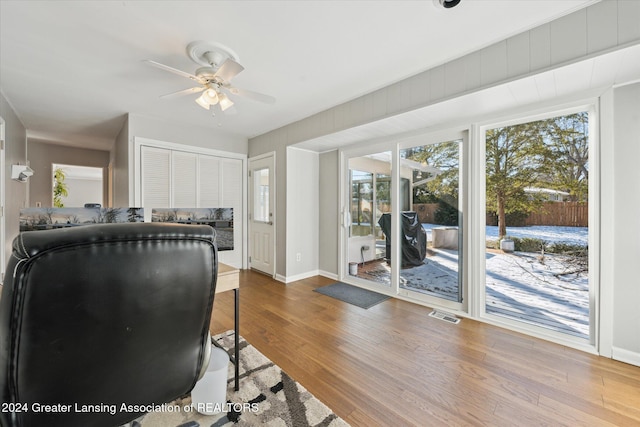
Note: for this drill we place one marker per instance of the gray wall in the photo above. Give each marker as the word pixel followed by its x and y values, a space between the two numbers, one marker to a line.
pixel 274 143
pixel 15 192
pixel 329 212
pixel 626 223
pixel 43 154
pixel 122 185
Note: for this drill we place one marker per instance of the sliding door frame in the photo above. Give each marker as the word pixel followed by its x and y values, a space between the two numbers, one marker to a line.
pixel 478 201
pixel 430 138
pixel 394 145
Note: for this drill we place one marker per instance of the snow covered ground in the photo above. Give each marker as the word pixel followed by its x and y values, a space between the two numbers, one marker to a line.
pixel 550 234
pixel 547 290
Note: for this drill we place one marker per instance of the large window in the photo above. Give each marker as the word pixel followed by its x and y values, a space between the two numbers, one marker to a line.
pixel 537 223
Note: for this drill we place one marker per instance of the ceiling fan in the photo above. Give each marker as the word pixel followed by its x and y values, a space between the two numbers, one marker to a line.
pixel 219 65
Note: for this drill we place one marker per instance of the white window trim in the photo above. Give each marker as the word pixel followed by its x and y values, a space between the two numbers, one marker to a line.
pixel 478 236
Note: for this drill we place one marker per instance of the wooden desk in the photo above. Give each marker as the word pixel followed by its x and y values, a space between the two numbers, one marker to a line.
pixel 229 279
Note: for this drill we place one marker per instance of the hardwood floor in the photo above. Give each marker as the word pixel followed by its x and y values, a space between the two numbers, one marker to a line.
pixel 392 365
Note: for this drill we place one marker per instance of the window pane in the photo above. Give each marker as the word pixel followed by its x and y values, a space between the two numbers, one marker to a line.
pixel 261 195
pixel 368 243
pixel 361 203
pixel 432 174
pixel 537 260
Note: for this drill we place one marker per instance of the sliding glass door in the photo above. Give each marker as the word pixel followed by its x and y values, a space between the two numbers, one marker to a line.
pixel 369 233
pixel 432 175
pixel 499 222
pixel 404 228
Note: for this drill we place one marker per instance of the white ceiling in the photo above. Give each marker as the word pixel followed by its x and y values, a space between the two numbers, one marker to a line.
pixel 72 69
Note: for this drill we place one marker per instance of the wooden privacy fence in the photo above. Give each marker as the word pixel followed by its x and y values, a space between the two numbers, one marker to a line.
pixel 568 214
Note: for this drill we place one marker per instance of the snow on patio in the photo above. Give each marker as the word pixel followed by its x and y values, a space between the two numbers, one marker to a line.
pixel 528 286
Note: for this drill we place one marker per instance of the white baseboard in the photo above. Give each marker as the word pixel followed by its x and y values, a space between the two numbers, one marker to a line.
pixel 306 275
pixel 625 356
pixel 328 275
pixel 301 276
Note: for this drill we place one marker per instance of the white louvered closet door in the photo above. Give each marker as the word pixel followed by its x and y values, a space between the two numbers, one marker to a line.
pixel 209 180
pixel 184 179
pixel 231 192
pixel 179 179
pixel 155 177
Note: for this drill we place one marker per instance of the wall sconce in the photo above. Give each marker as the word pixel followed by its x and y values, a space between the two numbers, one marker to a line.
pixel 21 173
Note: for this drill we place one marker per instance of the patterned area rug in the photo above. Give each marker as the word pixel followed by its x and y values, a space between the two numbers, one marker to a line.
pixel 267 396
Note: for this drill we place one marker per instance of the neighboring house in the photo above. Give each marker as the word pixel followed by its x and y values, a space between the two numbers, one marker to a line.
pixel 547 194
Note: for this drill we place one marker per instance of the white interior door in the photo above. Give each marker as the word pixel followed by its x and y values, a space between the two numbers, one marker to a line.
pixel 262 214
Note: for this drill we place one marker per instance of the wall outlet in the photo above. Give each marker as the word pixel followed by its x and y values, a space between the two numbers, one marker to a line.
pixel 298 257
pixel 365 248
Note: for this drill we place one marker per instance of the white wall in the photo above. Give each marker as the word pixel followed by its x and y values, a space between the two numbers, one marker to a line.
pixel 626 223
pixel 82 191
pixel 161 130
pixel 302 214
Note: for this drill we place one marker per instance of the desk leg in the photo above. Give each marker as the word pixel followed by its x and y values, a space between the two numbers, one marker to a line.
pixel 236 294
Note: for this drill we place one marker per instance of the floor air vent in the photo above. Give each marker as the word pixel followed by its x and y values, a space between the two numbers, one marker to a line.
pixel 445 316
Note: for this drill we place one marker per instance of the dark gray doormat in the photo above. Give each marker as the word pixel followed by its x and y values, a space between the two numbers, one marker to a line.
pixel 352 294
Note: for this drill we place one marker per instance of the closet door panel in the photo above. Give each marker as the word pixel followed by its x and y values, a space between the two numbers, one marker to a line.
pixel 184 181
pixel 155 177
pixel 209 182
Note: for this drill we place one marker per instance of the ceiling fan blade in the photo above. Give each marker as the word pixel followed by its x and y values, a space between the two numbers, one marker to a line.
pixel 252 95
pixel 228 70
pixel 183 92
pixel 174 71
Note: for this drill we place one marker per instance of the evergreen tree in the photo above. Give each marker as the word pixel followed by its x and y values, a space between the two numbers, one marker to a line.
pixel 568 137
pixel 517 157
pixel 133 215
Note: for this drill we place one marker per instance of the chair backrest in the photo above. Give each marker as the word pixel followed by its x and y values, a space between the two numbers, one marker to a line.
pixel 98 316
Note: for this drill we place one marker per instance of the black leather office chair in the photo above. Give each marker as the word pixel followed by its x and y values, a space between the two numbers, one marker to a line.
pixel 98 316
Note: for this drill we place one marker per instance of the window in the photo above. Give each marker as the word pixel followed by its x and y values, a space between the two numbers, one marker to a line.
pixel 537 228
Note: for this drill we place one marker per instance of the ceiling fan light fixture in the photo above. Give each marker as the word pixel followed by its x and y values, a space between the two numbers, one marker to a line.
pixel 225 102
pixel 201 101
pixel 210 96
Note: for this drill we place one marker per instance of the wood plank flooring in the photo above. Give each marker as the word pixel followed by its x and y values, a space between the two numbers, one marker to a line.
pixel 392 365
